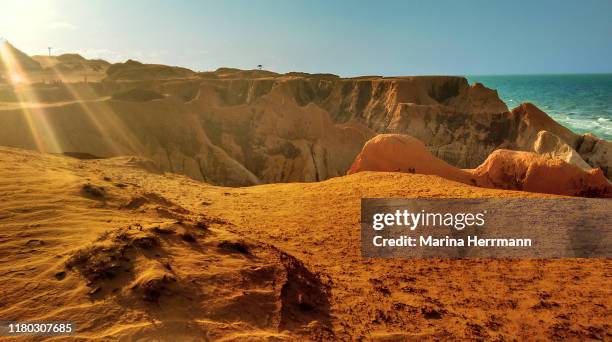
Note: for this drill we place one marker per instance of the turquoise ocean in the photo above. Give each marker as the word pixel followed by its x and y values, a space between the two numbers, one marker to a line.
pixel 581 102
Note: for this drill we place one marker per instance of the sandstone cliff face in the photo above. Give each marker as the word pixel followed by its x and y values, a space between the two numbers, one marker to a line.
pixel 515 170
pixel 553 147
pixel 463 124
pixel 527 135
pixel 236 127
pixel 232 133
pixel 596 152
pixel 503 169
pixel 459 123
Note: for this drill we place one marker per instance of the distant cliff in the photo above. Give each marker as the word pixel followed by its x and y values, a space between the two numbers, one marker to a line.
pixel 235 127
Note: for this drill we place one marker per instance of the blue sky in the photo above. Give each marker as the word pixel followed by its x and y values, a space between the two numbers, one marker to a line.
pixel 342 37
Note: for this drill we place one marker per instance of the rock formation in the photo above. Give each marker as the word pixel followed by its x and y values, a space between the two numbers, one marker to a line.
pixel 228 133
pixel 538 132
pixel 503 169
pixel 550 145
pixel 596 152
pixel 240 127
pixel 459 123
pixel 527 171
pixel 403 153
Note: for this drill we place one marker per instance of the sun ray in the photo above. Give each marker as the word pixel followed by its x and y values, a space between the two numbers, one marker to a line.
pixel 41 130
pixel 108 124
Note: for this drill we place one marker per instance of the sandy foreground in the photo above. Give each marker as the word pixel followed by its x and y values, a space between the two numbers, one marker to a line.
pixel 135 255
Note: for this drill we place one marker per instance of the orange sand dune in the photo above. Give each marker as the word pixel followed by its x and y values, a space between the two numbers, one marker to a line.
pixel 503 169
pixel 131 254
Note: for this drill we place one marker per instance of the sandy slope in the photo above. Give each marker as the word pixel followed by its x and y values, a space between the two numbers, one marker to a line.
pixel 163 256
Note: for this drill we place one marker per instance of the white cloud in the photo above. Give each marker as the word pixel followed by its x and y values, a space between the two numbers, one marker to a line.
pixel 61 25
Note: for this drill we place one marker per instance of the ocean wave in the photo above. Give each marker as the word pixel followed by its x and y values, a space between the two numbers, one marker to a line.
pixel 602 127
pixel 583 103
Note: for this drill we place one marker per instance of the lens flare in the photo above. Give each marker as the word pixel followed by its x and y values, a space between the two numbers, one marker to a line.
pixel 16 78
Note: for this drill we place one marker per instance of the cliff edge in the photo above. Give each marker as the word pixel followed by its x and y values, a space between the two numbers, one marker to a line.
pixel 243 127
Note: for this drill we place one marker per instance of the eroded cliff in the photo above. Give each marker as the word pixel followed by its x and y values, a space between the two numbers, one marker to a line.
pixel 235 127
pixel 503 169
